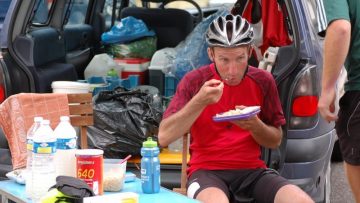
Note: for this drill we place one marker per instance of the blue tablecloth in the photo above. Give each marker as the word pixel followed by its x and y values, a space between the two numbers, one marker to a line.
pixel 12 189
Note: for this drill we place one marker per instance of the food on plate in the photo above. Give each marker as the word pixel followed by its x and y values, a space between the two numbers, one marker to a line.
pixel 234 112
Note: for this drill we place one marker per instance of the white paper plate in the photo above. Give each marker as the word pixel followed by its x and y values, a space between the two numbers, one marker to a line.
pixel 253 112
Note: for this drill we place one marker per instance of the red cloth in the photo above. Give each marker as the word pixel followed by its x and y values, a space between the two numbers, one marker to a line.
pixel 274 28
pixel 222 145
pixel 17 115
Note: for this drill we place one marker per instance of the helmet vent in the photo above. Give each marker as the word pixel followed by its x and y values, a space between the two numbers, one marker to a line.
pixel 229 28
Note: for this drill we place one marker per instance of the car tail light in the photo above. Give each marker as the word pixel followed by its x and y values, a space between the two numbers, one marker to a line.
pixel 304 113
pixel 304 106
pixel 2 93
pixel 3 90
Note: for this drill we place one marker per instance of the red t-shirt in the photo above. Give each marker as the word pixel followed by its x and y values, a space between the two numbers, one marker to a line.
pixel 222 145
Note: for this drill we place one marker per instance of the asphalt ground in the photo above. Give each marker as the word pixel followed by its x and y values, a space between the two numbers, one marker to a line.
pixel 340 190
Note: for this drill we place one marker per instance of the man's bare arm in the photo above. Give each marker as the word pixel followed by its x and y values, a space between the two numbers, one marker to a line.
pixel 336 47
pixel 179 123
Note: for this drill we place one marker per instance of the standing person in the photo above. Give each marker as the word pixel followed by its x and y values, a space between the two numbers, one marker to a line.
pixel 225 164
pixel 342 46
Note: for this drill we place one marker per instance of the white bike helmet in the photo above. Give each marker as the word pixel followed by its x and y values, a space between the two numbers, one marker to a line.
pixel 229 31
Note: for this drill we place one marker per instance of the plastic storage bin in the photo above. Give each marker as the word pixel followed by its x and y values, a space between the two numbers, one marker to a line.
pixel 160 63
pixel 99 84
pixel 170 85
pixel 157 79
pixel 135 66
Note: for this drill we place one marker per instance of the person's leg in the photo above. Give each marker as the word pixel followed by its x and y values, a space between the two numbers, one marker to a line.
pixel 212 195
pixel 347 129
pixel 293 194
pixel 271 187
pixel 207 187
pixel 353 176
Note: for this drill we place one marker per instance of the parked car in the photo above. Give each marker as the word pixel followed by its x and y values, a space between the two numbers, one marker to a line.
pixel 60 45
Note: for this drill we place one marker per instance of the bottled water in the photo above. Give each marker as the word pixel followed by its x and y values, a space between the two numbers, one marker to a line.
pixel 150 167
pixel 157 102
pixel 29 147
pixel 176 146
pixel 43 173
pixel 65 148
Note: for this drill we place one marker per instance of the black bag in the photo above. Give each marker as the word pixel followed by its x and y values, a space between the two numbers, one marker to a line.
pixel 74 188
pixel 123 119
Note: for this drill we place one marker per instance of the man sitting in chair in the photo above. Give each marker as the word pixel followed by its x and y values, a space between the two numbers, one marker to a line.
pixel 225 164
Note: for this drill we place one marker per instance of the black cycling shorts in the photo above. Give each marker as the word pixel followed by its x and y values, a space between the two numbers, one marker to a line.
pixel 348 127
pixel 248 185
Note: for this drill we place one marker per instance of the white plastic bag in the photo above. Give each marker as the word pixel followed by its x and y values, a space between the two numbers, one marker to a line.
pixel 192 52
pixel 100 65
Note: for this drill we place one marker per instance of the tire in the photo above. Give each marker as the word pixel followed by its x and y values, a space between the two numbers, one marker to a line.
pixel 336 155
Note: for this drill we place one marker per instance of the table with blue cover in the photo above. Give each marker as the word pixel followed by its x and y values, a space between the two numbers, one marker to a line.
pixel 9 189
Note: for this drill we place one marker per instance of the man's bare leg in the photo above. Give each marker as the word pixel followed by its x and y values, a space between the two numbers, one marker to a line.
pixel 353 175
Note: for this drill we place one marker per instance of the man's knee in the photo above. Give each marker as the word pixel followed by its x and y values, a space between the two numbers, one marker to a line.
pixel 212 194
pixel 292 193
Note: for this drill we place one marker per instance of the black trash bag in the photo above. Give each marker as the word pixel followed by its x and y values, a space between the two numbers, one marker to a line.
pixel 113 145
pixel 123 119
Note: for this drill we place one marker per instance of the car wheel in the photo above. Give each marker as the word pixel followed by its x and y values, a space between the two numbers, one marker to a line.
pixel 336 155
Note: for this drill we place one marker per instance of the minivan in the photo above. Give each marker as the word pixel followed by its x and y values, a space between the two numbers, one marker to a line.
pixel 45 41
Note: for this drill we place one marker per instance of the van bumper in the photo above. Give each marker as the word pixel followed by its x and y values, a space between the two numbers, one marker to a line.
pixel 307 161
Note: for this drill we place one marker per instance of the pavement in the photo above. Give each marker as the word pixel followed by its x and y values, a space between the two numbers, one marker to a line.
pixel 340 191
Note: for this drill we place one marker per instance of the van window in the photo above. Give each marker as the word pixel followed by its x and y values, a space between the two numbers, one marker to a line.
pixel 78 10
pixel 41 11
pixel 4 6
pixel 108 10
pixel 313 14
pixel 188 6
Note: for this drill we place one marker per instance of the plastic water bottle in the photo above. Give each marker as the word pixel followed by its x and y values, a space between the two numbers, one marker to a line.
pixel 65 148
pixel 150 167
pixel 157 102
pixel 43 165
pixel 29 146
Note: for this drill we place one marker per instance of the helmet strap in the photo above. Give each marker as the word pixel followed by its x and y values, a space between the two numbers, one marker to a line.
pixel 213 59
